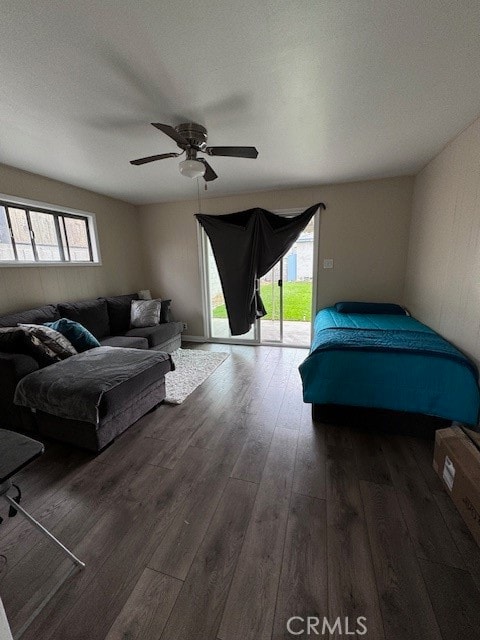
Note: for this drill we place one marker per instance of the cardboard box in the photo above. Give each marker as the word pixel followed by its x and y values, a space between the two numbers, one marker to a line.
pixel 457 462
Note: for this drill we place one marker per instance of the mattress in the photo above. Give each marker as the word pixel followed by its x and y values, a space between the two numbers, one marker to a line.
pixel 388 362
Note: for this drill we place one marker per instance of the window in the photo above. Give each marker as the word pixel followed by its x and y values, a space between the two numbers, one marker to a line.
pixel 34 234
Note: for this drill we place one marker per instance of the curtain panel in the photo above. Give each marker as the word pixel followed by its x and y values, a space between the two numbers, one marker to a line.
pixel 246 245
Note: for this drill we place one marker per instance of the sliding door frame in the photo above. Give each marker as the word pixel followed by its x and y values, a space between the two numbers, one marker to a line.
pixel 315 263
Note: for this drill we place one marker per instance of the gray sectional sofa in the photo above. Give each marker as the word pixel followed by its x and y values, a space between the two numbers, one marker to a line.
pixel 108 319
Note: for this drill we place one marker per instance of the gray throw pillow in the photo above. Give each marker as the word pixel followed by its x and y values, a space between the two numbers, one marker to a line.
pixel 54 342
pixel 145 313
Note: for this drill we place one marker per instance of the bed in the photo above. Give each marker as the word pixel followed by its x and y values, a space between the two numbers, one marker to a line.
pixel 388 361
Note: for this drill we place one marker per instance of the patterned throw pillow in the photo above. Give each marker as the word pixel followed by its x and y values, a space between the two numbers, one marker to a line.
pixel 40 351
pixel 54 342
pixel 21 341
pixel 145 313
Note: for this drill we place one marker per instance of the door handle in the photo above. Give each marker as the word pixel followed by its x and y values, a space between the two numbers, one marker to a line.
pixel 280 283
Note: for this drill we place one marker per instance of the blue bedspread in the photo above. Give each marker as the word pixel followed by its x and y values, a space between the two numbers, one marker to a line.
pixel 387 340
pixel 389 362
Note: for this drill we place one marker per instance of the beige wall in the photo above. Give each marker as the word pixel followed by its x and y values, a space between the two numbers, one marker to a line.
pixel 121 270
pixel 364 229
pixel 442 285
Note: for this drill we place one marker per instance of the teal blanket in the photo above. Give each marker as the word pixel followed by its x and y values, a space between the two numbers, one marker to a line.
pixel 388 362
pixel 388 340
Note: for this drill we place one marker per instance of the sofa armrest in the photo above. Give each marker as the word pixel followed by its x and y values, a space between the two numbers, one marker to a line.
pixel 14 367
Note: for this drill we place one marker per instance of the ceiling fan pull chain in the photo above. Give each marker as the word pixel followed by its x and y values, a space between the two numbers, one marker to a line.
pixel 198 196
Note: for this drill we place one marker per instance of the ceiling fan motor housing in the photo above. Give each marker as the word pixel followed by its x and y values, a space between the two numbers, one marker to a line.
pixel 194 133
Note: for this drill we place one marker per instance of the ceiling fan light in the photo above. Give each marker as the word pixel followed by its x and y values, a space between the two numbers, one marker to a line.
pixel 192 168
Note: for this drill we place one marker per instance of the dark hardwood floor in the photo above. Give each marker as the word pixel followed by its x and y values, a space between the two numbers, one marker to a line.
pixel 223 517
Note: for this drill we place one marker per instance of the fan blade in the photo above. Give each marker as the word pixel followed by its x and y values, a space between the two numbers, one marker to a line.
pixel 153 158
pixel 209 174
pixel 234 152
pixel 171 133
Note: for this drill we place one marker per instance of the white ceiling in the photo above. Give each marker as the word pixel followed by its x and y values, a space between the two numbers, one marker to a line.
pixel 328 90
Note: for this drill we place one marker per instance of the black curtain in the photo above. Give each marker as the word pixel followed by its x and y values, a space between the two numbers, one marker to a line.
pixel 246 245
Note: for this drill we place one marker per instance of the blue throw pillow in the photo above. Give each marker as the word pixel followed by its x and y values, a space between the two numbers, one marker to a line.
pixel 371 307
pixel 80 337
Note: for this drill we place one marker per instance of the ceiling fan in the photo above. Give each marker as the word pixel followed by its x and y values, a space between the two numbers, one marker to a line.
pixel 191 138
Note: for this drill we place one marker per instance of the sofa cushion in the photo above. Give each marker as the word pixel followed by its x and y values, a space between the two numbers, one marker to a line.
pixel 12 340
pixel 130 342
pixel 159 334
pixel 49 313
pixel 92 314
pixel 76 333
pixel 115 400
pixel 119 313
pixel 14 367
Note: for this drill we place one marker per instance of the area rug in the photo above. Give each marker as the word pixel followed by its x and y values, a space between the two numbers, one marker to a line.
pixel 192 367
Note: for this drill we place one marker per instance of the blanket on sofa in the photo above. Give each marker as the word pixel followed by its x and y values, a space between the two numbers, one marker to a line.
pixel 73 388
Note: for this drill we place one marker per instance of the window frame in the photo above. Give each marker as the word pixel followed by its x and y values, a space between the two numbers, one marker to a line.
pixel 58 213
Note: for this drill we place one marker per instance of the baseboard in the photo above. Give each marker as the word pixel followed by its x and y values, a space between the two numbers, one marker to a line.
pixel 193 338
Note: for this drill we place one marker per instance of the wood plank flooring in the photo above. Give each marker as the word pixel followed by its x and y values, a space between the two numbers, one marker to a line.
pixel 223 517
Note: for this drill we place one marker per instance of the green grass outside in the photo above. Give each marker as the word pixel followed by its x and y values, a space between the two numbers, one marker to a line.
pixel 297 302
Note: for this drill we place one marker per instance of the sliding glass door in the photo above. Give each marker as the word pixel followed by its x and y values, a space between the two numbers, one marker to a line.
pixel 271 291
pixel 287 291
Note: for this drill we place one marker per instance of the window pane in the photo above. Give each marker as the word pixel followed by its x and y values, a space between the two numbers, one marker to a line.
pixel 21 234
pixel 46 242
pixel 6 249
pixel 77 236
pixel 28 235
